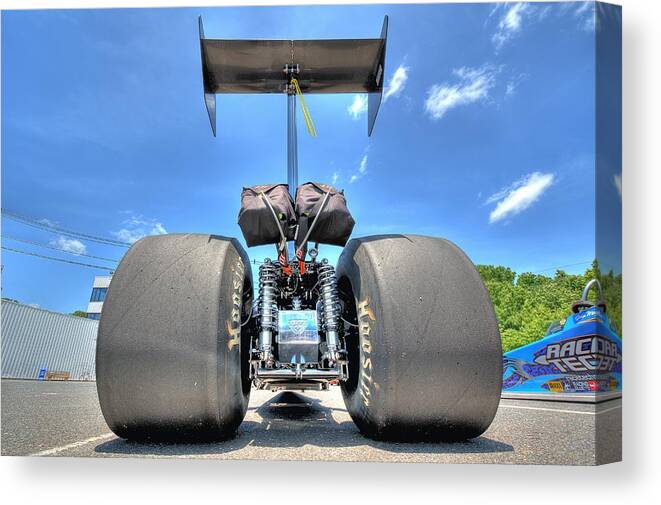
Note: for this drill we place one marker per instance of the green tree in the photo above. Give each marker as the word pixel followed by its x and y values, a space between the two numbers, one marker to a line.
pixel 527 304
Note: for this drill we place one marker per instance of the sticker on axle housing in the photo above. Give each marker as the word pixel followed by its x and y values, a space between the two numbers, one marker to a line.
pixel 297 327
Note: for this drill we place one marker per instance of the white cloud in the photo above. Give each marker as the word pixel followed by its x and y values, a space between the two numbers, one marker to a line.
pixel 69 245
pixel 495 9
pixel 397 83
pixel 473 86
pixel 336 177
pixel 137 227
pixel 519 196
pixel 358 106
pixel 362 170
pixel 586 15
pixel 516 15
pixel 511 87
pixel 617 181
pixel 514 83
pixel 542 12
pixel 394 89
pixel 510 23
pixel 47 222
pixel 582 8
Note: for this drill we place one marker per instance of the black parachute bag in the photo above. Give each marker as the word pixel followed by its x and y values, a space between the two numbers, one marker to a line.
pixel 323 216
pixel 267 214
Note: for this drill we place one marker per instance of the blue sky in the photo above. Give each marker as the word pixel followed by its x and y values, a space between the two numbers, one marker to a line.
pixel 486 136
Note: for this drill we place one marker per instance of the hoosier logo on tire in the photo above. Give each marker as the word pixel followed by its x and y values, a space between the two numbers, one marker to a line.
pixel 365 317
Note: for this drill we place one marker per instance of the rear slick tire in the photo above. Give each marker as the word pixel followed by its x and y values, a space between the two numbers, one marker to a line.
pixel 425 360
pixel 172 364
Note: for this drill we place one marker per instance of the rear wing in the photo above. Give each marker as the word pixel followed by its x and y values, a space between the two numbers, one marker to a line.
pixel 322 66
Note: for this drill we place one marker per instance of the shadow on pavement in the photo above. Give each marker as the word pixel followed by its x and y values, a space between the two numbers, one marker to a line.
pixel 292 420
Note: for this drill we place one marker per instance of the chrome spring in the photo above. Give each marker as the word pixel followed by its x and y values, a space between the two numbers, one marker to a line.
pixel 267 291
pixel 329 298
pixel 330 306
pixel 268 310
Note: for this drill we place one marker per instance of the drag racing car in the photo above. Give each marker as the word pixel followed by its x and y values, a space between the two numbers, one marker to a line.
pixel 403 323
pixel 579 358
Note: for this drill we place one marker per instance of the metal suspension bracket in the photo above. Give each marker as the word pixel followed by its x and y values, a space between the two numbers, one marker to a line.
pixel 291 70
pixel 294 91
pixel 292 139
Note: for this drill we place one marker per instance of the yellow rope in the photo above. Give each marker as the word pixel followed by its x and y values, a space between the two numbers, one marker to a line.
pixel 306 112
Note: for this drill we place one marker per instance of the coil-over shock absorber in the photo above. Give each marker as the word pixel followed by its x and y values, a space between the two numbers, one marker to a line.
pixel 268 309
pixel 330 307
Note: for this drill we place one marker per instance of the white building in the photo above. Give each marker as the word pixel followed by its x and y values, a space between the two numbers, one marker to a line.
pixel 37 343
pixel 99 290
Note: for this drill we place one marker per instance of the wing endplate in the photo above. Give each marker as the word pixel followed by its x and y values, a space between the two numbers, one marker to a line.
pixel 374 98
pixel 209 93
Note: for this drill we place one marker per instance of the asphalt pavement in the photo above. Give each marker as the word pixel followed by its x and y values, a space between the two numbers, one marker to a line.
pixel 64 419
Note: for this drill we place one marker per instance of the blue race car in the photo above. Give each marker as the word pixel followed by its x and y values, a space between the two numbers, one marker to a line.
pixel 579 358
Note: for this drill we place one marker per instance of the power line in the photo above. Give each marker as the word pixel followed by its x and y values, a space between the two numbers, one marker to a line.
pixel 563 266
pixel 56 229
pixel 58 259
pixel 48 246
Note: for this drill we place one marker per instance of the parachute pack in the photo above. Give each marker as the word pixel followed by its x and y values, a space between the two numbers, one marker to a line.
pixel 268 215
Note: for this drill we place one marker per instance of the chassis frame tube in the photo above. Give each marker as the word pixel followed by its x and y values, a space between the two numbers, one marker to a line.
pixel 305 374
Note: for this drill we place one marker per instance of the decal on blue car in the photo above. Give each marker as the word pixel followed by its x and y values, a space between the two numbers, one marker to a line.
pixel 583 354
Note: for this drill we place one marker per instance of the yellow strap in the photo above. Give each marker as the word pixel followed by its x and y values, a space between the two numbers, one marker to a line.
pixel 306 112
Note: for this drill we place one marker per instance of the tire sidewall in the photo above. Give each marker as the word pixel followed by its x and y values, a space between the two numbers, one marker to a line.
pixel 430 351
pixel 170 360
